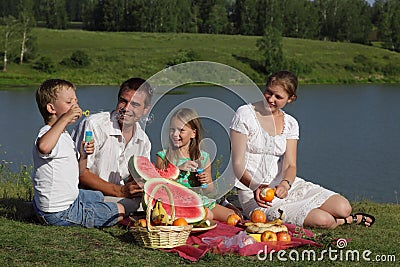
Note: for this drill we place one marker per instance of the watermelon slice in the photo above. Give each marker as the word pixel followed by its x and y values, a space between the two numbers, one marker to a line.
pixel 188 204
pixel 140 166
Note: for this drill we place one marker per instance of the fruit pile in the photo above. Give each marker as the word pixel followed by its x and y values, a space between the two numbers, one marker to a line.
pixel 260 229
pixel 159 217
pixel 264 231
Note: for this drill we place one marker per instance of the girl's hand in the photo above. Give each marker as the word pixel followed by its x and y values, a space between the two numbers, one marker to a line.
pixel 259 201
pixel 188 166
pixel 204 178
pixel 282 191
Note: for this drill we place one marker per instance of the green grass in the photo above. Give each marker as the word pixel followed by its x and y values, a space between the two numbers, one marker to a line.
pixel 117 56
pixel 24 242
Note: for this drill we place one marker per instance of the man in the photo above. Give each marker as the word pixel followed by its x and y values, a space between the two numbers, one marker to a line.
pixel 117 136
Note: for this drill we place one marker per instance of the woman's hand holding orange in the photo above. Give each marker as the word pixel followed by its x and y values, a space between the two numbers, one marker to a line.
pixel 261 202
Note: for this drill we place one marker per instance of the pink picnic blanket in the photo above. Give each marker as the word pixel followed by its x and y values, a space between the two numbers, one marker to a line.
pixel 196 247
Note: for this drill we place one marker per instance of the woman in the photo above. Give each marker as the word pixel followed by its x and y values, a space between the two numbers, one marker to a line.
pixel 264 145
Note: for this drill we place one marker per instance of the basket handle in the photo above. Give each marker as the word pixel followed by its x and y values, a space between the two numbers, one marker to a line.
pixel 150 204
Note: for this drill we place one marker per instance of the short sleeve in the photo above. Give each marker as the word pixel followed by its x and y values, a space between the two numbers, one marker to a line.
pixel 291 127
pixel 162 154
pixel 238 122
pixel 54 151
pixel 204 157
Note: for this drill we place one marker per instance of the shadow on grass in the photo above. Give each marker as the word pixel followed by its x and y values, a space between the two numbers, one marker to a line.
pixel 254 64
pixel 17 209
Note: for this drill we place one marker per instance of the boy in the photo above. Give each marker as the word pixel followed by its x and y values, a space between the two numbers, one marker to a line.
pixel 57 199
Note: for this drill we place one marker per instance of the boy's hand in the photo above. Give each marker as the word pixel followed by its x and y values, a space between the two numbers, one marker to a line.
pixel 73 114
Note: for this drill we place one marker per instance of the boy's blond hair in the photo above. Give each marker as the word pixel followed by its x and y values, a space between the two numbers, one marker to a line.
pixel 47 93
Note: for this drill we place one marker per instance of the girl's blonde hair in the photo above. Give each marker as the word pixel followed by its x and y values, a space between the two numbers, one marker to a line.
pixel 191 119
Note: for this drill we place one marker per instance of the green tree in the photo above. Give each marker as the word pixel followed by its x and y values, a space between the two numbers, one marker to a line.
pixel 388 23
pixel 353 21
pixel 300 19
pixel 212 16
pixel 245 14
pixel 8 8
pixel 218 18
pixel 269 14
pixel 395 23
pixel 112 11
pixel 270 46
pixel 8 30
pixel 88 14
pixel 185 17
pixel 55 13
pixel 26 23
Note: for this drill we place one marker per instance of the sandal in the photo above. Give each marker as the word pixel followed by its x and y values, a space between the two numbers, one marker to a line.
pixel 363 219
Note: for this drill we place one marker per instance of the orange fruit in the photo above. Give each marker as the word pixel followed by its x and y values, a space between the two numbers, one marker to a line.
pixel 258 216
pixel 180 222
pixel 233 219
pixel 141 222
pixel 267 194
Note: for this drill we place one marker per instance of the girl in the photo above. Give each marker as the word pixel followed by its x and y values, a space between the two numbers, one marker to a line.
pixel 264 144
pixel 184 152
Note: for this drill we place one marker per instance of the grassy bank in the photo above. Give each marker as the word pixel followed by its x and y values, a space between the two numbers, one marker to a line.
pixel 117 56
pixel 24 242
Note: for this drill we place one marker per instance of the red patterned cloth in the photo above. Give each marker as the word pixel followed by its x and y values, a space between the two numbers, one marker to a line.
pixel 196 248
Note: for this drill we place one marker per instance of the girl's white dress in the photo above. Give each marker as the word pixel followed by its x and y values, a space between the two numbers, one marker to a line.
pixel 264 158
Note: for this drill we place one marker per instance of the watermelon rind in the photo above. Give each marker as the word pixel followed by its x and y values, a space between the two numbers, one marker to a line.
pixel 188 204
pixel 142 167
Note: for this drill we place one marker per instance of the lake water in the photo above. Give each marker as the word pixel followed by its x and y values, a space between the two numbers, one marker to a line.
pixel 349 134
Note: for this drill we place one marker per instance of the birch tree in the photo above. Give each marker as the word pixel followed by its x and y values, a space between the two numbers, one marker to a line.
pixel 9 28
pixel 26 22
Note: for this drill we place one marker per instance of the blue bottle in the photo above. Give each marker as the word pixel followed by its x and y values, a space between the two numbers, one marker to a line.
pixel 88 136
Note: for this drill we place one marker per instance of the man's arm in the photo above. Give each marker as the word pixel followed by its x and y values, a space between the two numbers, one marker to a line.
pixel 91 181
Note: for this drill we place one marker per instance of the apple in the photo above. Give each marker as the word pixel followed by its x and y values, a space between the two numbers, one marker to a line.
pixel 233 219
pixel 268 236
pixel 283 236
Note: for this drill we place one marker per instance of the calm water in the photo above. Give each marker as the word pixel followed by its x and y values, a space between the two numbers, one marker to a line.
pixel 349 134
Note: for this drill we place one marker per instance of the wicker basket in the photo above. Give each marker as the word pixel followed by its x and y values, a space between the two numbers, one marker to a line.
pixel 161 236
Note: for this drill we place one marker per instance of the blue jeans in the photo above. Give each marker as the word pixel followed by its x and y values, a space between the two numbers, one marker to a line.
pixel 89 210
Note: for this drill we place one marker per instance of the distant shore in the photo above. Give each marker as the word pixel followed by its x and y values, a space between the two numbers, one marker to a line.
pixel 115 56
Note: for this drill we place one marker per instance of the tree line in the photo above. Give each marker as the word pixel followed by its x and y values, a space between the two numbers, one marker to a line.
pixel 333 20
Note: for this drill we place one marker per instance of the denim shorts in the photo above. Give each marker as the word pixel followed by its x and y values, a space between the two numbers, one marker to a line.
pixel 88 210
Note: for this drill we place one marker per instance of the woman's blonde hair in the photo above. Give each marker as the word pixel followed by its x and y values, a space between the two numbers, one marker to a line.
pixel 287 80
